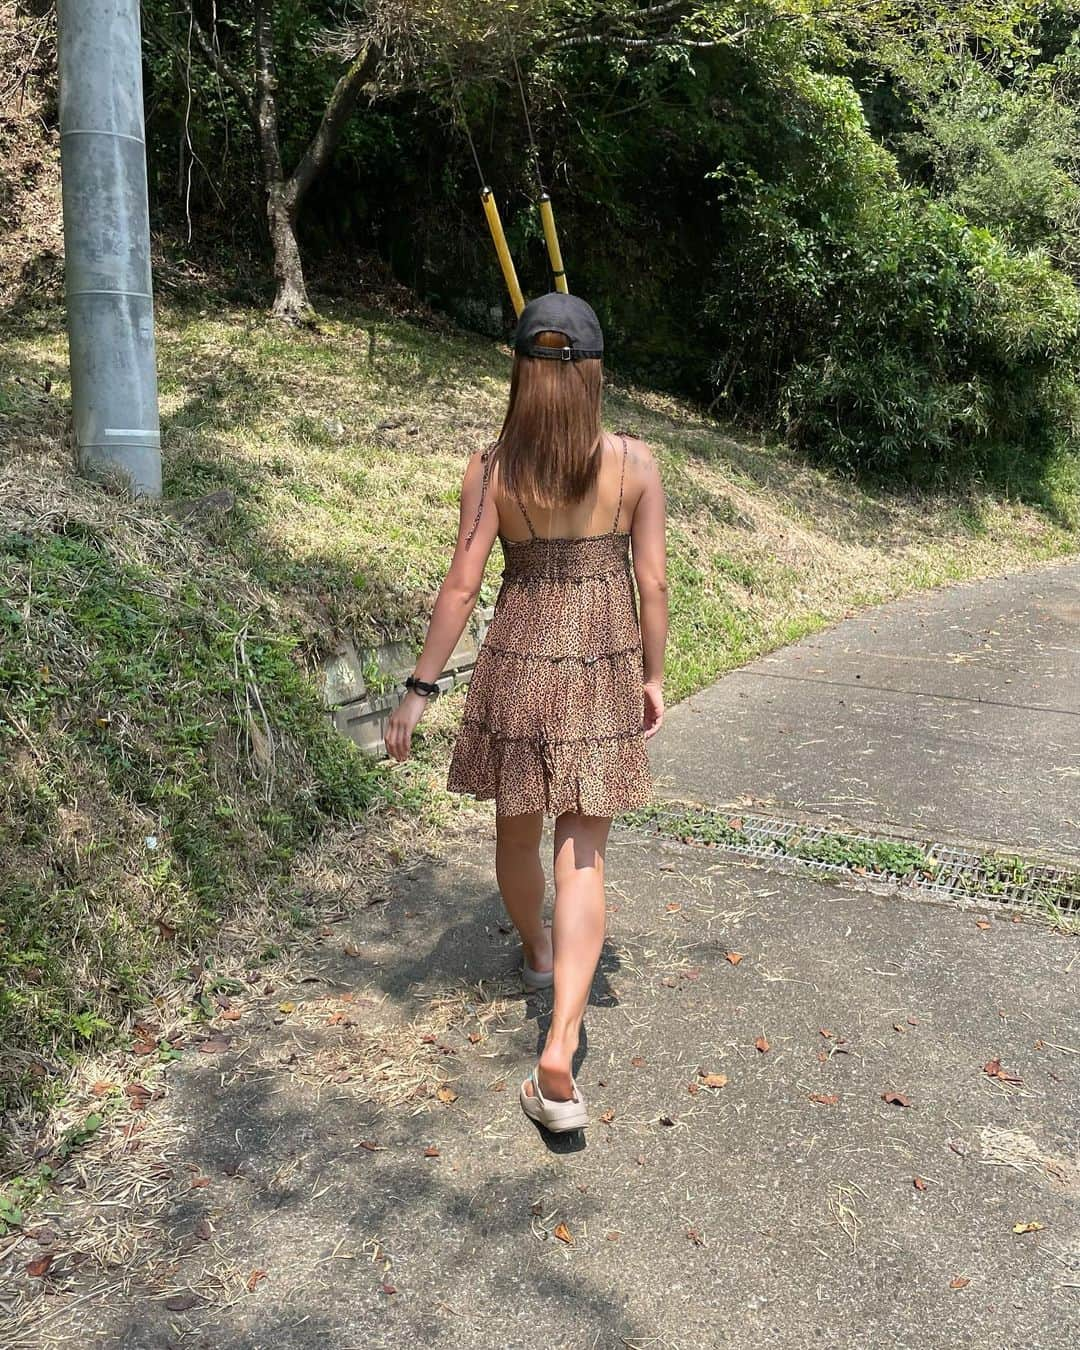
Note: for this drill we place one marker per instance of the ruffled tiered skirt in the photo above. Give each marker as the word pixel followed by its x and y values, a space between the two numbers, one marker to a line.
pixel 553 718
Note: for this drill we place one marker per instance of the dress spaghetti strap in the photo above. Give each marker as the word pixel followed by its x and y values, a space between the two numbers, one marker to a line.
pixel 622 482
pixel 486 460
pixel 528 519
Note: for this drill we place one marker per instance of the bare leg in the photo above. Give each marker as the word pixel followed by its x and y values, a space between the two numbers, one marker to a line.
pixel 578 932
pixel 521 881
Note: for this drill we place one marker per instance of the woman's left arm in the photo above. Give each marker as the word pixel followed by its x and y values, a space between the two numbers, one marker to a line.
pixel 456 601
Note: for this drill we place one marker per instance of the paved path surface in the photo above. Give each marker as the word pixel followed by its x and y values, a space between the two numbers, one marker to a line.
pixel 323 1194
pixel 954 713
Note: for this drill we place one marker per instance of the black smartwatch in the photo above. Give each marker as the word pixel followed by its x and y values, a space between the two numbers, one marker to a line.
pixel 422 687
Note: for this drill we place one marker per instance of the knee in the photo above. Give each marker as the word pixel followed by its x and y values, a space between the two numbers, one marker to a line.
pixel 518 834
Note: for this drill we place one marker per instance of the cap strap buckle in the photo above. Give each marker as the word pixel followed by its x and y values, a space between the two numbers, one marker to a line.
pixel 566 354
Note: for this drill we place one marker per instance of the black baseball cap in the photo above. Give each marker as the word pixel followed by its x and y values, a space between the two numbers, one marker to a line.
pixel 557 312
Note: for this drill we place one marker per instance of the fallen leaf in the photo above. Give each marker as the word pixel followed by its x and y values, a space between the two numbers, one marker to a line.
pixel 388 1288
pixel 983 923
pixel 612 1237
pixel 232 1015
pixel 959 1283
pixel 1033 1227
pixel 958 1148
pixel 254 1278
pixel 351 949
pixel 475 1037
pixel 992 1068
pixel 898 1027
pixel 824 1031
pixel 918 1183
pixel 143 1047
pixel 39 1268
pixel 825 1098
pixel 735 823
pixel 431 1151
pixel 895 1099
pixel 563 1233
pixel 216 1045
pixel 139 1097
pixel 368 1144
pixel 102 1089
pixel 446 1094
pixel 733 957
pixel 714 1080
pixel 606 1117
pixel 638 1061
pixel 672 906
pixel 913 1021
pixel 199 1183
pixel 761 1045
pixel 182 1302
pixel 286 1007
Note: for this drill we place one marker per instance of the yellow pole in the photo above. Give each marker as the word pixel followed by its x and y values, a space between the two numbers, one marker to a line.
pixel 547 219
pixel 499 240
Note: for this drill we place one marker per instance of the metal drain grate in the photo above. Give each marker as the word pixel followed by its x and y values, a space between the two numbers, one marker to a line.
pixel 1002 881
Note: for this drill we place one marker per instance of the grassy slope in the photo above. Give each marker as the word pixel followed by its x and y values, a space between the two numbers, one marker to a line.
pixel 134 652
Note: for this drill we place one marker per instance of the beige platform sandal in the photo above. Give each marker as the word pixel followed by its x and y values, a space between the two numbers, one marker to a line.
pixel 536 979
pixel 553 1115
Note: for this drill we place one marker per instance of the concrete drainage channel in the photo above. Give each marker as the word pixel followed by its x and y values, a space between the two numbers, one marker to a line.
pixel 982 880
pixel 361 686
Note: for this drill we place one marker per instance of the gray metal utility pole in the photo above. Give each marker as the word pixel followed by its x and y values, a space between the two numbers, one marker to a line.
pixel 110 307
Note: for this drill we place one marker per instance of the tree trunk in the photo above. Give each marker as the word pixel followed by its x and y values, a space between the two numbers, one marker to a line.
pixel 284 195
pixel 291 301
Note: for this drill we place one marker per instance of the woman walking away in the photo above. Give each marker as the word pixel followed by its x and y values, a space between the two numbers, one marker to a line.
pixel 568 684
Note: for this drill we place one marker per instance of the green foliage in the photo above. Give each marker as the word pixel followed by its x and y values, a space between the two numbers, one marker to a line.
pixel 947 351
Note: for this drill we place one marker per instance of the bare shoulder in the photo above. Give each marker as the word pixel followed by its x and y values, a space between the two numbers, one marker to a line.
pixel 639 456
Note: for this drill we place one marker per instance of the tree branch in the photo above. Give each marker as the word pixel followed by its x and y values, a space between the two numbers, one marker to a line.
pixel 266 93
pixel 338 111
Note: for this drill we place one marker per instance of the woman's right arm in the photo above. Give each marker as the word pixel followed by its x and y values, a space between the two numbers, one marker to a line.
pixel 648 533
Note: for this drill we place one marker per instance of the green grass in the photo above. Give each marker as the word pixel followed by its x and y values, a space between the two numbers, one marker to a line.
pixel 163 754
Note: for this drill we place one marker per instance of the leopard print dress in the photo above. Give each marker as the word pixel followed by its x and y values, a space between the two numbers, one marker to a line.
pixel 553 717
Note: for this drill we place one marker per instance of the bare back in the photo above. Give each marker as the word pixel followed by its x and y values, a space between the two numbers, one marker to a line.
pixel 609 505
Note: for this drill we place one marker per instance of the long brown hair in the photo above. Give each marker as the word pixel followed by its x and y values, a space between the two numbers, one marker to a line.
pixel 548 449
